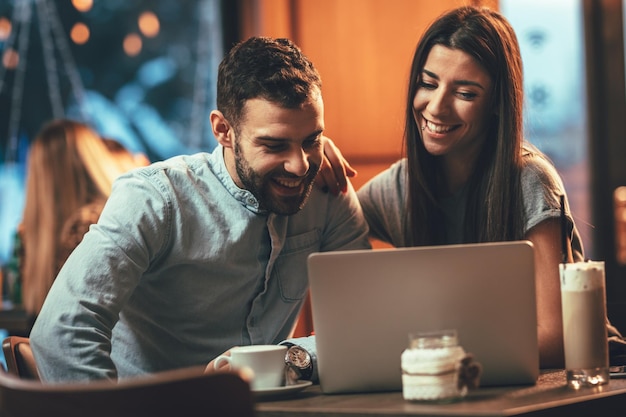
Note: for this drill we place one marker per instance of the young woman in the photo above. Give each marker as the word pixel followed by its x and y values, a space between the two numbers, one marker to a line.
pixel 468 175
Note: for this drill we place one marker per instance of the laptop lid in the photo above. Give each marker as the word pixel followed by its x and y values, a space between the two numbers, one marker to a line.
pixel 366 302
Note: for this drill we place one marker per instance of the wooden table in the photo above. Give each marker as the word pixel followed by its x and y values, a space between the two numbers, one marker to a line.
pixel 549 397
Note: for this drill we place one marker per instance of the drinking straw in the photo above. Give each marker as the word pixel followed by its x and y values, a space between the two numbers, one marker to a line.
pixel 563 230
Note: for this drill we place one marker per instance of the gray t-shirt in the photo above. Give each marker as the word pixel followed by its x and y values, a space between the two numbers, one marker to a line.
pixel 384 198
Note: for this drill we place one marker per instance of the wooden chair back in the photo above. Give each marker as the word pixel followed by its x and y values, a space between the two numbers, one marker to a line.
pixel 19 357
pixel 184 392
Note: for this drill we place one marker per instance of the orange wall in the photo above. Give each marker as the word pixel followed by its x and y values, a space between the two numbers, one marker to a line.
pixel 363 50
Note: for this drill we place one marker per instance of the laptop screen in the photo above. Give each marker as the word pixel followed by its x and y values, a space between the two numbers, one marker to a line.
pixel 366 302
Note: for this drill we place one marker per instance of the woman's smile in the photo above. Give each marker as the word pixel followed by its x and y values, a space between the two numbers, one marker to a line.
pixel 438 128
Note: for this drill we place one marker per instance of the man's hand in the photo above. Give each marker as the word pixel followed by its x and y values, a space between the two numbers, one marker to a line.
pixel 225 366
pixel 335 169
pixel 245 373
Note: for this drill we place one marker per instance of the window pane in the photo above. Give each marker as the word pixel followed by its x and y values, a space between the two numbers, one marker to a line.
pixel 142 72
pixel 552 44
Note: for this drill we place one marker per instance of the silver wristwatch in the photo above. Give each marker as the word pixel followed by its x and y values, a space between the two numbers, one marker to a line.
pixel 300 359
pixel 301 356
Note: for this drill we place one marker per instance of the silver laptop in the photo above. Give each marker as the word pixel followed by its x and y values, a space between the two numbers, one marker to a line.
pixel 366 302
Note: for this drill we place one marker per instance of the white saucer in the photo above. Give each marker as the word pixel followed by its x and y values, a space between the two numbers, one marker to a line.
pixel 281 391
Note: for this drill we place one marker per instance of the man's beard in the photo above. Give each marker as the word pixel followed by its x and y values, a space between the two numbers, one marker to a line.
pixel 260 186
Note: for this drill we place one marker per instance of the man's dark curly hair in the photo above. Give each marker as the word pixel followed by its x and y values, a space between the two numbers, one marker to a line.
pixel 267 68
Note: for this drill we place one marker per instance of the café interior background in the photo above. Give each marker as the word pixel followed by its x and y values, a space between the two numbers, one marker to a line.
pixel 143 72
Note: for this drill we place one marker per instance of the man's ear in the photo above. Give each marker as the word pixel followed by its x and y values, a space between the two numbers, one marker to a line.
pixel 222 129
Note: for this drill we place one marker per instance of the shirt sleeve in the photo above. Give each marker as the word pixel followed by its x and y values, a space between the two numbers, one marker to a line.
pixel 346 228
pixel 542 188
pixel 71 337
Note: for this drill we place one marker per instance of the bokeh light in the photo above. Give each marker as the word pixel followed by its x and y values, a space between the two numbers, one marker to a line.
pixel 149 24
pixel 10 58
pixel 80 33
pixel 5 28
pixel 132 44
pixel 82 5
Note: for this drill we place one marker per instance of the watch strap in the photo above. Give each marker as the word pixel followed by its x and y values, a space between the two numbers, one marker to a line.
pixel 308 344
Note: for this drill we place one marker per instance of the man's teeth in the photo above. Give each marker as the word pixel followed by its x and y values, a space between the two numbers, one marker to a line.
pixel 438 128
pixel 289 183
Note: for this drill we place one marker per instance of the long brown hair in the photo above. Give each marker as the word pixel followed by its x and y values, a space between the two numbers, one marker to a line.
pixel 68 166
pixel 494 206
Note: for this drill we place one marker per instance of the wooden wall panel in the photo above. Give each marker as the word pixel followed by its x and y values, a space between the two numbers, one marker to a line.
pixel 266 18
pixel 363 50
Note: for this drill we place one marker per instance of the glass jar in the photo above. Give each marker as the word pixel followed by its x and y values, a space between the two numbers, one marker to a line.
pixel 431 367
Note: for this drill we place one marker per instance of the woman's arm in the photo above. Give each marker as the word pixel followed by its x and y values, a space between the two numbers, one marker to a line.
pixel 546 238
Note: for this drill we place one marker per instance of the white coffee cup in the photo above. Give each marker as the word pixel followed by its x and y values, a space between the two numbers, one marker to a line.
pixel 267 363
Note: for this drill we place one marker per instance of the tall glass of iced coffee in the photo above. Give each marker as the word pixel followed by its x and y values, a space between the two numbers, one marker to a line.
pixel 583 294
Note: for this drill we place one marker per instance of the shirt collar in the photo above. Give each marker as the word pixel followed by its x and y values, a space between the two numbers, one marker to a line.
pixel 245 197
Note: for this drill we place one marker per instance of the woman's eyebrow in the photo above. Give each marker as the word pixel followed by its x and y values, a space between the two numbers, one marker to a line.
pixel 430 74
pixel 457 82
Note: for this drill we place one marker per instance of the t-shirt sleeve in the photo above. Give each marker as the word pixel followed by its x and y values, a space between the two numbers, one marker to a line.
pixel 383 199
pixel 542 188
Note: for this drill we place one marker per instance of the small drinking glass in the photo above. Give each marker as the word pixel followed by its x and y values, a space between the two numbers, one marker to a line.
pixel 431 367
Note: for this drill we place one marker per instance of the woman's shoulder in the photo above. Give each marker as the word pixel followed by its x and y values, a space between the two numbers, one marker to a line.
pixel 541 184
pixel 538 169
pixel 390 180
pixel 395 172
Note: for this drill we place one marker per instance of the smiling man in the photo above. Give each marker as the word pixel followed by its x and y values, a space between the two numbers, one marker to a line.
pixel 197 254
pixel 276 153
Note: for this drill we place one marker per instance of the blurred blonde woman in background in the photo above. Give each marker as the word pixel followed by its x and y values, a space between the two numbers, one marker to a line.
pixel 70 173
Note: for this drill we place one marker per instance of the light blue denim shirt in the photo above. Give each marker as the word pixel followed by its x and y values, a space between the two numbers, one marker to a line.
pixel 181 266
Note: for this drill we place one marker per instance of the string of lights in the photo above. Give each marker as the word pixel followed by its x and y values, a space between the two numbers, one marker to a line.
pixel 52 74
pixel 23 20
pixel 54 56
pixel 10 41
pixel 51 32
pixel 89 60
pixel 59 36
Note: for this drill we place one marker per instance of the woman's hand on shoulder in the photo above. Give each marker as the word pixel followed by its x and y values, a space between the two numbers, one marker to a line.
pixel 335 170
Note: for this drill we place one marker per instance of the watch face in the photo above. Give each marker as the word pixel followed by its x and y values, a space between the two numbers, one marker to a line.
pixel 298 357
